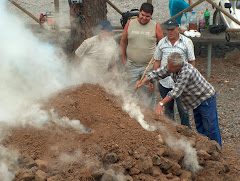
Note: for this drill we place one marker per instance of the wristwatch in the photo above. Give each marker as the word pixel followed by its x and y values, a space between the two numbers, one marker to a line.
pixel 161 104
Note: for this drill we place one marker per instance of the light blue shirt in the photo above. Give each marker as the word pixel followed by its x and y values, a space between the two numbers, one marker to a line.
pixel 176 6
pixel 183 46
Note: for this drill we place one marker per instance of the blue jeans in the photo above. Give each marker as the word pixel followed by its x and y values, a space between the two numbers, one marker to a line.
pixel 206 119
pixel 145 96
pixel 169 107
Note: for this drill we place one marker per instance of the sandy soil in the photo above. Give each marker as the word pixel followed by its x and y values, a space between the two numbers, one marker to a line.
pixel 110 137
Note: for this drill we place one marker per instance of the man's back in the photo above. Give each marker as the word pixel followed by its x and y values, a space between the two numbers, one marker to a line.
pixel 98 55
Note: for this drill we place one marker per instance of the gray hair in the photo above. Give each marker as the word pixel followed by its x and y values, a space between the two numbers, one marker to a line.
pixel 175 58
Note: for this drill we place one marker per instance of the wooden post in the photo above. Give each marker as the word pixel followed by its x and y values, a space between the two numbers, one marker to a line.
pixel 56 14
pixel 114 7
pixel 25 11
pixel 232 30
pixel 56 4
pixel 149 1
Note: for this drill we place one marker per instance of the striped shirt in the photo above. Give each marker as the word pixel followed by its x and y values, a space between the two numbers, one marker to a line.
pixel 189 85
pixel 183 46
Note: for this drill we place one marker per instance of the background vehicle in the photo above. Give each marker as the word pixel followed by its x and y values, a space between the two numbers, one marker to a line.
pixel 233 8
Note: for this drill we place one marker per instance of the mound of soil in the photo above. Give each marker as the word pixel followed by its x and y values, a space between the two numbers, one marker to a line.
pixel 112 145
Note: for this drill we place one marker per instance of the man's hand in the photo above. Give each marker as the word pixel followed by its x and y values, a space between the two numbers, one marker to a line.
pixel 151 86
pixel 124 61
pixel 159 109
pixel 138 84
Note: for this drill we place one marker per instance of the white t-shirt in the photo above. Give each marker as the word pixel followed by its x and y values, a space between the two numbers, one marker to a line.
pixel 98 56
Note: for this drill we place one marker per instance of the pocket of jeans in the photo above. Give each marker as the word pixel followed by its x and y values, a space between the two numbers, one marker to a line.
pixel 205 103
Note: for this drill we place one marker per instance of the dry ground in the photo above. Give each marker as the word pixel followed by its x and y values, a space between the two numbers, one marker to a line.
pixel 112 137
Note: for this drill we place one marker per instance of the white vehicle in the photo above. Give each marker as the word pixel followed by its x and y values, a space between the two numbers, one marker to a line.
pixel 233 8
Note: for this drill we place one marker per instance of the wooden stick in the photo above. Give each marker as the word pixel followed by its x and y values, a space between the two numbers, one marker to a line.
pixel 25 11
pixel 232 30
pixel 56 13
pixel 223 11
pixel 56 4
pixel 144 73
pixel 114 7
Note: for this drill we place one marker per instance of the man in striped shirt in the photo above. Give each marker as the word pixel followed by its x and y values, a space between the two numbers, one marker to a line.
pixel 195 93
pixel 173 42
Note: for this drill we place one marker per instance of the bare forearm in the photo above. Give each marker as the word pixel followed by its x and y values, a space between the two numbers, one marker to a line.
pixel 123 44
pixel 166 100
pixel 159 33
pixel 159 107
pixel 192 63
pixel 156 64
pixel 139 84
pixel 123 51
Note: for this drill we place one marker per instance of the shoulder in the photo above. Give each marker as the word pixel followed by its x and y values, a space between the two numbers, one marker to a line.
pixel 187 68
pixel 91 39
pixel 184 38
pixel 152 23
pixel 163 40
pixel 89 42
pixel 133 21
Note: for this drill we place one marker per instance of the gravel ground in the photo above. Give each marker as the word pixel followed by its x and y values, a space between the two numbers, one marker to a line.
pixel 161 11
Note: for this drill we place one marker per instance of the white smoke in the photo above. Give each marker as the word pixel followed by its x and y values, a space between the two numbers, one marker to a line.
pixel 70 158
pixel 119 87
pixel 7 157
pixel 135 112
pixel 30 69
pixel 67 123
pixel 37 117
pixel 190 157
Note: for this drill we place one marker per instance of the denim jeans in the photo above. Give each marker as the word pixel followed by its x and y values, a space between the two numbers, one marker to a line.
pixel 169 107
pixel 206 119
pixel 145 96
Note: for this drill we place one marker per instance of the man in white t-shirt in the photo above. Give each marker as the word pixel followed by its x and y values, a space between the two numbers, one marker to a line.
pixel 98 54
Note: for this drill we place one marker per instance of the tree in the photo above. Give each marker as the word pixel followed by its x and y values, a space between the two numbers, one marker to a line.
pixel 84 17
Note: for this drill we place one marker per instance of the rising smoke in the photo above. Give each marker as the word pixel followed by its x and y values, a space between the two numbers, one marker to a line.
pixel 31 71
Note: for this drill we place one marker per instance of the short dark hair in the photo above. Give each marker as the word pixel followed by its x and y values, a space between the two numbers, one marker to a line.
pixel 147 7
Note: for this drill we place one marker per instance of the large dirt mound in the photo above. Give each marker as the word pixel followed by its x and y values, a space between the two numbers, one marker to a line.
pixel 111 145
